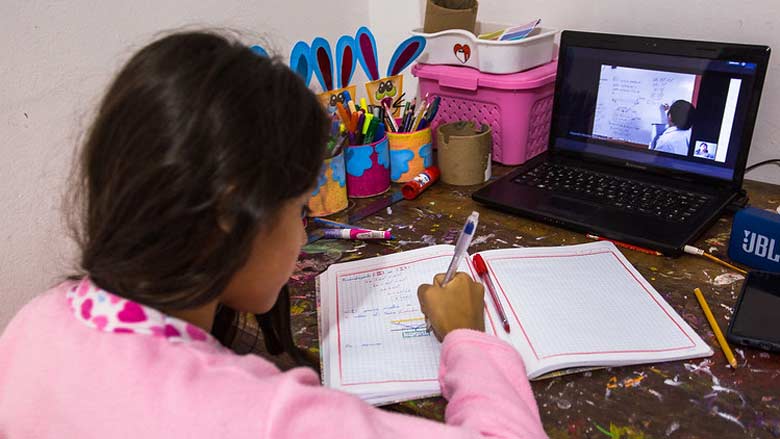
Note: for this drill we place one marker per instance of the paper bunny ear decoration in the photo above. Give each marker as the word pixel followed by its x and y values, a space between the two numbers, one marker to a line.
pixel 322 63
pixel 405 54
pixel 391 86
pixel 300 61
pixel 259 50
pixel 346 60
pixel 367 47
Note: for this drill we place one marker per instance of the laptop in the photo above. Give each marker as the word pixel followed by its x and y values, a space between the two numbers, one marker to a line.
pixel 648 141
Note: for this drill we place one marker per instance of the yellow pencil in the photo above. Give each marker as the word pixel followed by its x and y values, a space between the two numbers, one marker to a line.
pixel 716 328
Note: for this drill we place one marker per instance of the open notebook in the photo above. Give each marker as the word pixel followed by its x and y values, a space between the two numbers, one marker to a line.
pixel 568 307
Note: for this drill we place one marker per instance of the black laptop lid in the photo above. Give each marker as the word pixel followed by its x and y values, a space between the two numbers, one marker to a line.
pixel 680 108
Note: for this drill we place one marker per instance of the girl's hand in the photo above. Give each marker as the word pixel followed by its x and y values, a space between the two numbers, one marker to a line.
pixel 458 305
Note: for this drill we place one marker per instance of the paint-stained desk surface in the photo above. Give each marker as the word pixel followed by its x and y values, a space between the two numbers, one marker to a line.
pixel 684 399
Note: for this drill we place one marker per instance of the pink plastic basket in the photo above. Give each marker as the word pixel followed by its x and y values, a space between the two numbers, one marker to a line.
pixel 517 106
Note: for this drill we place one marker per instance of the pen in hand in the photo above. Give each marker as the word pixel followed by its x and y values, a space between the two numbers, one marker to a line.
pixel 481 268
pixel 462 246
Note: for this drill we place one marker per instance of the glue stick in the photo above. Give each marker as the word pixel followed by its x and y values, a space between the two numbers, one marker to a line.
pixel 421 182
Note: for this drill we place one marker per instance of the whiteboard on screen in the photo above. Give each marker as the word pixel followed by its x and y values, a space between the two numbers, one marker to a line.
pixel 629 101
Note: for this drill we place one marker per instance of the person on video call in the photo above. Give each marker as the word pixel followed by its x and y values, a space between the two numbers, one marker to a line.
pixel 703 151
pixel 677 135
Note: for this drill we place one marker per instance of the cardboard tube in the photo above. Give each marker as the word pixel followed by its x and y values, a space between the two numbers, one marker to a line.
pixel 450 14
pixel 464 153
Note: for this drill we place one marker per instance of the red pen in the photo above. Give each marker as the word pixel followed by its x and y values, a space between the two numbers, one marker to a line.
pixel 635 248
pixel 479 265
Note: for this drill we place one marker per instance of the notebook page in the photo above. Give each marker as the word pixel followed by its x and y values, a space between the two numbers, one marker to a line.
pixel 586 305
pixel 376 338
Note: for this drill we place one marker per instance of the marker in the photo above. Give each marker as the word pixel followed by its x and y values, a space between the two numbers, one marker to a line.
pixel 342 112
pixel 357 234
pixel 366 122
pixel 482 271
pixel 626 245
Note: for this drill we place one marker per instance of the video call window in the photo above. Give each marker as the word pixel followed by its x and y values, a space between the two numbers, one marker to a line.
pixel 661 111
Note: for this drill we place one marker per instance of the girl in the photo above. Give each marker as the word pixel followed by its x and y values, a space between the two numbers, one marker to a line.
pixel 194 179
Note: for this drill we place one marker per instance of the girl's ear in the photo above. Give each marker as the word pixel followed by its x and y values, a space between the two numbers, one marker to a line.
pixel 300 61
pixel 366 45
pixel 322 60
pixel 226 219
pixel 405 54
pixel 345 60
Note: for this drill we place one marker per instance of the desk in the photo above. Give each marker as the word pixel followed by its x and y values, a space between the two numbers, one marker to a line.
pixel 679 399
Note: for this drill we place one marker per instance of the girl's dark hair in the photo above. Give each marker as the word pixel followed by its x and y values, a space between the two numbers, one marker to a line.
pixel 682 114
pixel 195 146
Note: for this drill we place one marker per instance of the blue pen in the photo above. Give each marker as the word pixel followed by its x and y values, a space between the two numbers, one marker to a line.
pixel 464 240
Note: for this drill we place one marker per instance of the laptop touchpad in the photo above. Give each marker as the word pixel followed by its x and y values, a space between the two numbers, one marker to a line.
pixel 570 208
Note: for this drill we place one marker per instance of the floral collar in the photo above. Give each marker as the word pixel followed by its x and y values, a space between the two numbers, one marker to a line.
pixel 104 311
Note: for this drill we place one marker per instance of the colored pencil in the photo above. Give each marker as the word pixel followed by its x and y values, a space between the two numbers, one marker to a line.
pixel 635 248
pixel 715 328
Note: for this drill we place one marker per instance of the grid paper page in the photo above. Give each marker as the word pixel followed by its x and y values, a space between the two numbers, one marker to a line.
pixel 381 331
pixel 584 305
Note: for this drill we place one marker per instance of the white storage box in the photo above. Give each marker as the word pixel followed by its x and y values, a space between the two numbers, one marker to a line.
pixel 462 48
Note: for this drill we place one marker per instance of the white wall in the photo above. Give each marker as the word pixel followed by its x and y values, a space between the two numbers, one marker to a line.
pixel 56 58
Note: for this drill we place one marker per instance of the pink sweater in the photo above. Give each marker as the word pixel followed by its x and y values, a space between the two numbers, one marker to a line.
pixel 66 371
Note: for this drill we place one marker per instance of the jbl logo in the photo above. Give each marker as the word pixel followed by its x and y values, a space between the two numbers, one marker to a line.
pixel 760 246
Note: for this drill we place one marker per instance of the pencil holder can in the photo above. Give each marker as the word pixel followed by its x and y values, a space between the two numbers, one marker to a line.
pixel 463 152
pixel 410 154
pixel 368 169
pixel 330 195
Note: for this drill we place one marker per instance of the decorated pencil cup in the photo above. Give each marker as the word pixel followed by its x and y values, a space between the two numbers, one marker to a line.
pixel 410 154
pixel 368 169
pixel 330 195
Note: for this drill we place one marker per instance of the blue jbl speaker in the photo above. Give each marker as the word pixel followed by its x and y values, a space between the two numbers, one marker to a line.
pixel 755 239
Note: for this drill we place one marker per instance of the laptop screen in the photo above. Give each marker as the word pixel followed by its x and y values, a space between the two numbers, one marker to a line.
pixel 665 111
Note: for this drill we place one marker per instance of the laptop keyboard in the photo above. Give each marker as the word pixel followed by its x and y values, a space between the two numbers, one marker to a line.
pixel 622 193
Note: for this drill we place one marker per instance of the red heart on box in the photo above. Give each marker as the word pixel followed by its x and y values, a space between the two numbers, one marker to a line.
pixel 462 52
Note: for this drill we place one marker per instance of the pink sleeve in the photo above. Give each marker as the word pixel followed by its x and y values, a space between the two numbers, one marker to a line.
pixel 485 382
pixel 482 377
